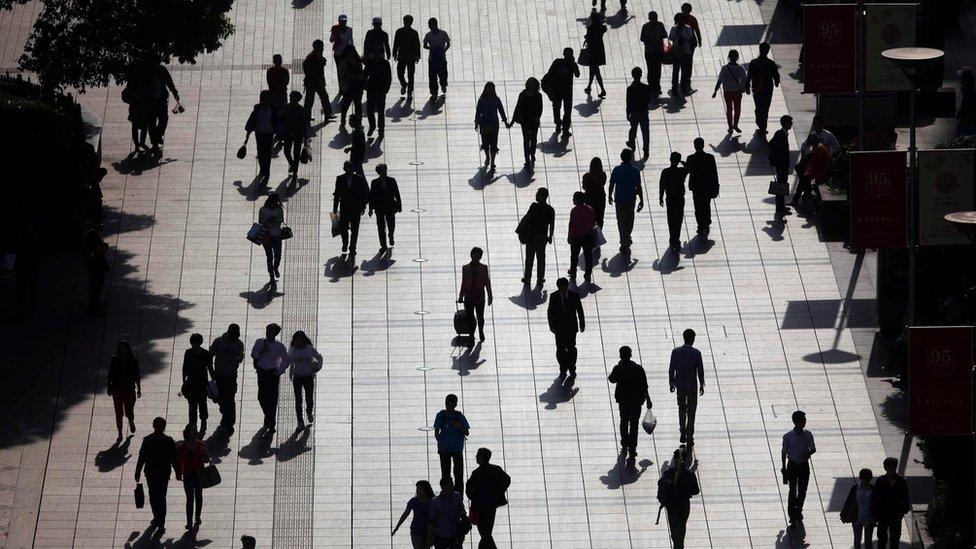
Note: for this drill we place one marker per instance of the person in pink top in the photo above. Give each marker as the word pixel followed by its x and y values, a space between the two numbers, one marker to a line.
pixel 582 221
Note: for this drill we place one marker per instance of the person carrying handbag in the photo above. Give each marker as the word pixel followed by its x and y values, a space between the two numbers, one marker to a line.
pixel 193 457
pixel 857 510
pixel 733 80
pixel 303 363
pixel 271 217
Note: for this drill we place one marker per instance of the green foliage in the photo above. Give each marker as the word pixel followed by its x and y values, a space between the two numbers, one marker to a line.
pixel 960 142
pixel 950 513
pixel 7 4
pixel 87 43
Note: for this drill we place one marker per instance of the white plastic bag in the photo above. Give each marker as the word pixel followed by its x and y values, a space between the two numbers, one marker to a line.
pixel 649 422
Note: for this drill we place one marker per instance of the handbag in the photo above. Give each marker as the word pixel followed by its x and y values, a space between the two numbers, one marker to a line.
pixel 212 391
pixel 777 188
pixel 649 422
pixel 286 233
pixel 140 496
pixel 463 525
pixel 668 56
pixel 598 238
pixel 306 156
pixel 522 230
pixel 336 228
pixel 254 233
pixel 209 476
pixel 584 56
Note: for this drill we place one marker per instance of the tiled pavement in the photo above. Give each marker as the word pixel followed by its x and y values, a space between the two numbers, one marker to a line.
pixel 759 296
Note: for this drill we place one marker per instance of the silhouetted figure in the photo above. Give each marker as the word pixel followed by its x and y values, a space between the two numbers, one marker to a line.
pixel 890 504
pixel 278 77
pixel 733 80
pixel 475 285
pixel 340 35
pixel 349 201
pixel 294 130
pixel 630 393
pixel 314 68
pixel 566 319
pixel 271 216
pixel 124 384
pixel 450 430
pixel 528 113
pixel 96 265
pixel 595 188
pixel 384 199
pixel 486 490
pixel 703 184
pixel 558 85
pixel 673 188
pixel 379 77
pixel 537 225
pixel 406 52
pixel 438 42
pixel 248 542
pixel 858 509
pixel 193 457
pixel 593 41
pixel 158 456
pixel 582 220
pixel 160 86
pixel 638 101
pixel 686 375
pixel 263 123
pixel 798 446
pixel 136 96
pixel 303 363
pixel 683 43
pixel 442 515
pixel 779 159
pixel 197 371
pixel 763 75
pixel 357 147
pixel 353 83
pixel 692 23
pixel 653 34
pixel 270 359
pixel 818 135
pixel 228 353
pixel 486 123
pixel 676 487
pixel 419 506
pixel 377 40
pixel 626 190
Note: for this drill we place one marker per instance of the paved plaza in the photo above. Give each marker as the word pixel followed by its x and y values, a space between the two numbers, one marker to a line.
pixel 761 295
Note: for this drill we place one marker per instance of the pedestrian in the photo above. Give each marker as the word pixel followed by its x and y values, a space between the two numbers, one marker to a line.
pixel 582 221
pixel 638 103
pixel 653 35
pixel 779 159
pixel 304 362
pixel 858 509
pixel 442 517
pixel 438 42
pixel 486 114
pixel 158 456
pixel 475 284
pixel 889 504
pixel 377 40
pixel 160 86
pixel 197 371
pixel 733 80
pixel 676 487
pixel 314 68
pixel 278 77
pixel 692 22
pixel 352 85
pixel 96 265
pixel 419 506
pixel 340 36
pixel 763 76
pixel 271 216
pixel 349 200
pixel 357 147
pixel 136 96
pixel 594 188
pixel 558 86
pixel 228 353
pixel 528 112
pixel 566 319
pixel 193 457
pixel 538 225
pixel 263 123
pixel 798 446
pixel 379 77
pixel 686 375
pixel 450 430
pixel 703 184
pixel 124 384
pixel 294 127
pixel 682 39
pixel 673 188
pixel 486 490
pixel 626 189
pixel 270 359
pixel 630 393
pixel 593 41
pixel 406 52
pixel 384 199
pixel 248 542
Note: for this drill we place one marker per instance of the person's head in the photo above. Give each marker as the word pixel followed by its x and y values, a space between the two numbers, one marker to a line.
pixel 652 16
pixel 813 139
pixel 890 465
pixel 318 45
pixel 786 121
pixel 532 85
pixel 865 476
pixel 450 401
pixel 699 144
pixel 424 491
pixel 817 123
pixel 689 336
pixel 347 167
pixel 579 198
pixel 123 349
pixel 483 456
pixel 381 170
pixel 264 98
pixel 233 331
pixel 196 340
pixel 542 195
pixel 636 73
pixel 355 120
pixel 733 56
pixel 446 485
pixel 626 353
pixel 271 331
pixel 562 283
pixel 626 156
pixel 300 340
pixel 432 23
pixel 686 8
pixel 799 419
pixel 294 97
pixel 567 53
pixel 377 22
pixel 190 433
pixel 763 49
pixel 477 253
pixel 159 424
pixel 276 60
pixel 489 90
pixel 407 21
pixel 273 200
pixel 675 158
pixel 343 20
pixel 596 164
pixel 248 542
pixel 679 19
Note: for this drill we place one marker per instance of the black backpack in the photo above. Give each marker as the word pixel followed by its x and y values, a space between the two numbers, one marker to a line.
pixel 666 495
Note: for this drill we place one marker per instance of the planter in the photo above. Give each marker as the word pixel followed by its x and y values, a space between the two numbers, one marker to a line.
pixel 835 214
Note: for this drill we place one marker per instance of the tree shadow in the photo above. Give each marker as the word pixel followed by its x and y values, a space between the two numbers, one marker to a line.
pixel 618 265
pixel 380 262
pixel 257 188
pixel 340 266
pixel 561 391
pixel 296 445
pixel 138 163
pixel 530 298
pixel 113 457
pixel 668 263
pixel 260 299
pixel 467 359
pixel 521 179
pixel 624 472
pixel 589 107
pixel 258 449
pixel 116 222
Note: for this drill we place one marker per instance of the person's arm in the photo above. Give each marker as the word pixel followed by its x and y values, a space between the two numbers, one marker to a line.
pixel 141 460
pixel 783 454
pixel 186 365
pixel 169 84
pixel 580 314
pixel 718 82
pixel 610 188
pixel 465 283
pixel 663 186
pixel 403 518
pixel 386 45
pixel 426 43
pixel 438 425
pixel 488 285
pixel 397 39
pixel 317 358
pixel 576 69
pixel 138 378
pixel 640 192
pixel 698 36
pixel 501 111
pixel 775 71
pixel 336 194
pixel 174 461
pixel 672 372
pixel 614 375
pixel 447 42
pixel 812 447
pixel 268 78
pixel 552 224
pixel 700 367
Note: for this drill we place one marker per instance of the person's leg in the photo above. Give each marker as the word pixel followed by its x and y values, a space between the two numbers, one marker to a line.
pixel 645 126
pixel 529 257
pixel 686 66
pixel 792 483
pixel 157 498
pixel 486 524
pixel 567 113
pixel 117 403
pixel 269 260
pixel 162 121
pixel 188 491
pixel 682 414
pixel 625 223
pixel 324 99
pixel 692 405
pixel 561 352
pixel 676 76
pixel 432 76
pixel 736 108
pixel 555 114
pixel 381 114
pixel 632 133
pixel 526 152
pixel 371 112
pixel 309 100
pixel 801 488
pixel 574 250
pixel 297 388
pixel 540 272
pixel 683 511
pixel 265 142
pixel 274 382
pixel 129 405
pixel 344 221
pixel 782 179
pixel 445 460
pixel 727 98
pixel 443 75
pixel 458 459
pixel 569 342
pixel 411 67
pixel 469 314
pixel 868 533
pixel 624 440
pixel 882 535
pixel 198 495
pixel 894 533
pixel 600 208
pixel 588 256
pixel 289 157
pixel 589 83
pixel 354 231
pixel 654 73
pixel 381 228
pixel 309 384
pixel 192 405
pixel 858 531
pixel 674 525
pixel 479 309
pixel 675 213
pixel 232 401
pixel 276 253
pixel 400 68
pixel 599 79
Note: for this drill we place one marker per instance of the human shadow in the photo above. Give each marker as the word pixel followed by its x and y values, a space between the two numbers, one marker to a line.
pixel 400 110
pixel 521 179
pixel 188 540
pixel 674 103
pixel 295 445
pixel 114 456
pixel 561 391
pixel 624 472
pixel 150 537
pixel 697 245
pixel 793 537
pixel 289 187
pixel 431 107
pixel 530 298
pixel 382 261
pixel 257 188
pixel 618 265
pixel 341 139
pixel 482 178
pixel 775 227
pixel 468 358
pixel 589 107
pixel 340 266
pixel 137 163
pixel 263 297
pixel 618 19
pixel 258 449
pixel 668 263
pixel 218 446
pixel 556 146
pixel 728 146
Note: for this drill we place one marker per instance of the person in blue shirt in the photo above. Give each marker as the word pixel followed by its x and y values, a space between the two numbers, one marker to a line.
pixel 486 122
pixel 450 430
pixel 625 190
pixel 686 375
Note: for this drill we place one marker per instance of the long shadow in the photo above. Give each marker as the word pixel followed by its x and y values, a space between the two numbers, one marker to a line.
pixel 668 263
pixel 624 472
pixel 400 110
pixel 382 261
pixel 218 446
pixel 774 228
pixel 522 178
pixel 139 163
pixel 467 359
pixel 482 178
pixel 589 107
pixel 556 146
pixel 113 457
pixel 263 297
pixel 296 445
pixel 561 391
pixel 618 19
pixel 697 245
pixel 728 146
pixel 289 187
pixel 258 449
pixel 340 266
pixel 341 139
pixel 431 107
pixel 618 265
pixel 530 298
pixel 254 190
pixel 116 222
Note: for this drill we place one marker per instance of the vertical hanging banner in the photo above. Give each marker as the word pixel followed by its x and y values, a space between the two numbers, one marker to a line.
pixel 945 185
pixel 878 197
pixel 829 48
pixel 888 26
pixel 940 380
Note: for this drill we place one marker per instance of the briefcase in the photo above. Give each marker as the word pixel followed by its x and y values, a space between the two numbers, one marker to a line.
pixel 336 228
pixel 461 323
pixel 140 496
pixel 209 476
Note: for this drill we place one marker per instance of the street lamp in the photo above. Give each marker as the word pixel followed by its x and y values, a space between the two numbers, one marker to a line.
pixel 910 60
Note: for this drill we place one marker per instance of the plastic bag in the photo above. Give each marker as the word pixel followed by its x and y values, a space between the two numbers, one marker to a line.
pixel 649 422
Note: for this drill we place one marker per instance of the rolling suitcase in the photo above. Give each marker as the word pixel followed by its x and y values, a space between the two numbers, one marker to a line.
pixel 462 324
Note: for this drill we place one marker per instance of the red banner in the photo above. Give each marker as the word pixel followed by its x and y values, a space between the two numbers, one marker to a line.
pixel 829 48
pixel 878 194
pixel 940 382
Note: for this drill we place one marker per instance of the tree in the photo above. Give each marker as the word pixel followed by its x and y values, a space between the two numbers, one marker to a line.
pixel 87 43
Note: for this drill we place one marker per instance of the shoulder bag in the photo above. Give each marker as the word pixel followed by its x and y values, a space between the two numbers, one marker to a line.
pixel 209 476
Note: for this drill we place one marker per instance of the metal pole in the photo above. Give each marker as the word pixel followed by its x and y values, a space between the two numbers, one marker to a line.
pixel 861 71
pixel 912 201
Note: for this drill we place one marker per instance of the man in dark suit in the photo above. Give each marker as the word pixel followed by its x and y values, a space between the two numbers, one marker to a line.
pixel 779 159
pixel 314 68
pixel 378 80
pixel 686 375
pixel 384 199
pixel 158 456
pixel 703 183
pixel 558 85
pixel 349 200
pixel 630 394
pixel 406 52
pixel 486 489
pixel 638 98
pixel 565 321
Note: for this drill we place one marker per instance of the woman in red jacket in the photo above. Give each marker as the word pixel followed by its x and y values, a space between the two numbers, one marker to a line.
pixel 192 459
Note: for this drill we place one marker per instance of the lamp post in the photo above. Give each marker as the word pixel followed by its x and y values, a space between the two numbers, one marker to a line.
pixel 910 60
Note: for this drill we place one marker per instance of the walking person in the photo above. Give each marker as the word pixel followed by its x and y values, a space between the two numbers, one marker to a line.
pixel 438 42
pixel 798 446
pixel 625 190
pixel 593 41
pixel 314 68
pixel 528 113
pixel 450 430
pixel 228 353
pixel 136 96
pixel 763 76
pixel 263 123
pixel 248 542
pixel 692 23
pixel 352 85
pixel 384 199
pixel 638 101
pixel 889 504
pixel 124 385
pixel 486 490
pixel 676 487
pixel 858 509
pixel 673 188
pixel 406 53
pixel 558 85
pixel 537 225
pixel 703 184
pixel 733 80
pixel 158 456
pixel 377 40
pixel 442 517
pixel 160 87
pixel 566 319
pixel 96 265
pixel 271 216
pixel 340 36
pixel 683 42
pixel 779 159
pixel 653 35
pixel 277 78
pixel 475 285
pixel 197 371
pixel 270 359
pixel 357 149
pixel 686 375
pixel 379 77
pixel 294 127
pixel 486 123
pixel 193 457
pixel 304 362
pixel 594 189
pixel 419 506
pixel 349 201
pixel 630 393
pixel 582 221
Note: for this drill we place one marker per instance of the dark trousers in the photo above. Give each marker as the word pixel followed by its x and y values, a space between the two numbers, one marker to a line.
pixel 350 229
pixel 625 223
pixel 639 119
pixel 803 184
pixel 457 459
pixel 681 73
pixel 157 486
pixel 194 496
pixel 124 402
pixel 307 385
pixel 565 104
pixel 293 153
pixel 197 404
pixel 535 250
pixel 406 68
pixel 889 534
pixel 227 399
pixel 447 543
pixel 272 253
pixel 437 71
pixel 376 111
pixel 265 142
pixel 530 137
pixel 158 121
pixel 566 351
pixel 311 90
pixel 687 406
pixel 678 522
pixel 353 96
pixel 798 476
pixel 654 71
pixel 703 211
pixel 762 100
pixel 599 205
pixel 630 415
pixel 385 221
pixel 268 382
pixel 486 524
pixel 676 213
pixel 863 531
pixel 576 244
pixel 782 176
pixel 476 315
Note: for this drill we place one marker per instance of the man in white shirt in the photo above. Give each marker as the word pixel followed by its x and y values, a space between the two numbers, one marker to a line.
pixel 827 138
pixel 438 42
pixel 269 363
pixel 798 446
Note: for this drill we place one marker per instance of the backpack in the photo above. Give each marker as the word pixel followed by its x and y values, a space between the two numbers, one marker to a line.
pixel 666 493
